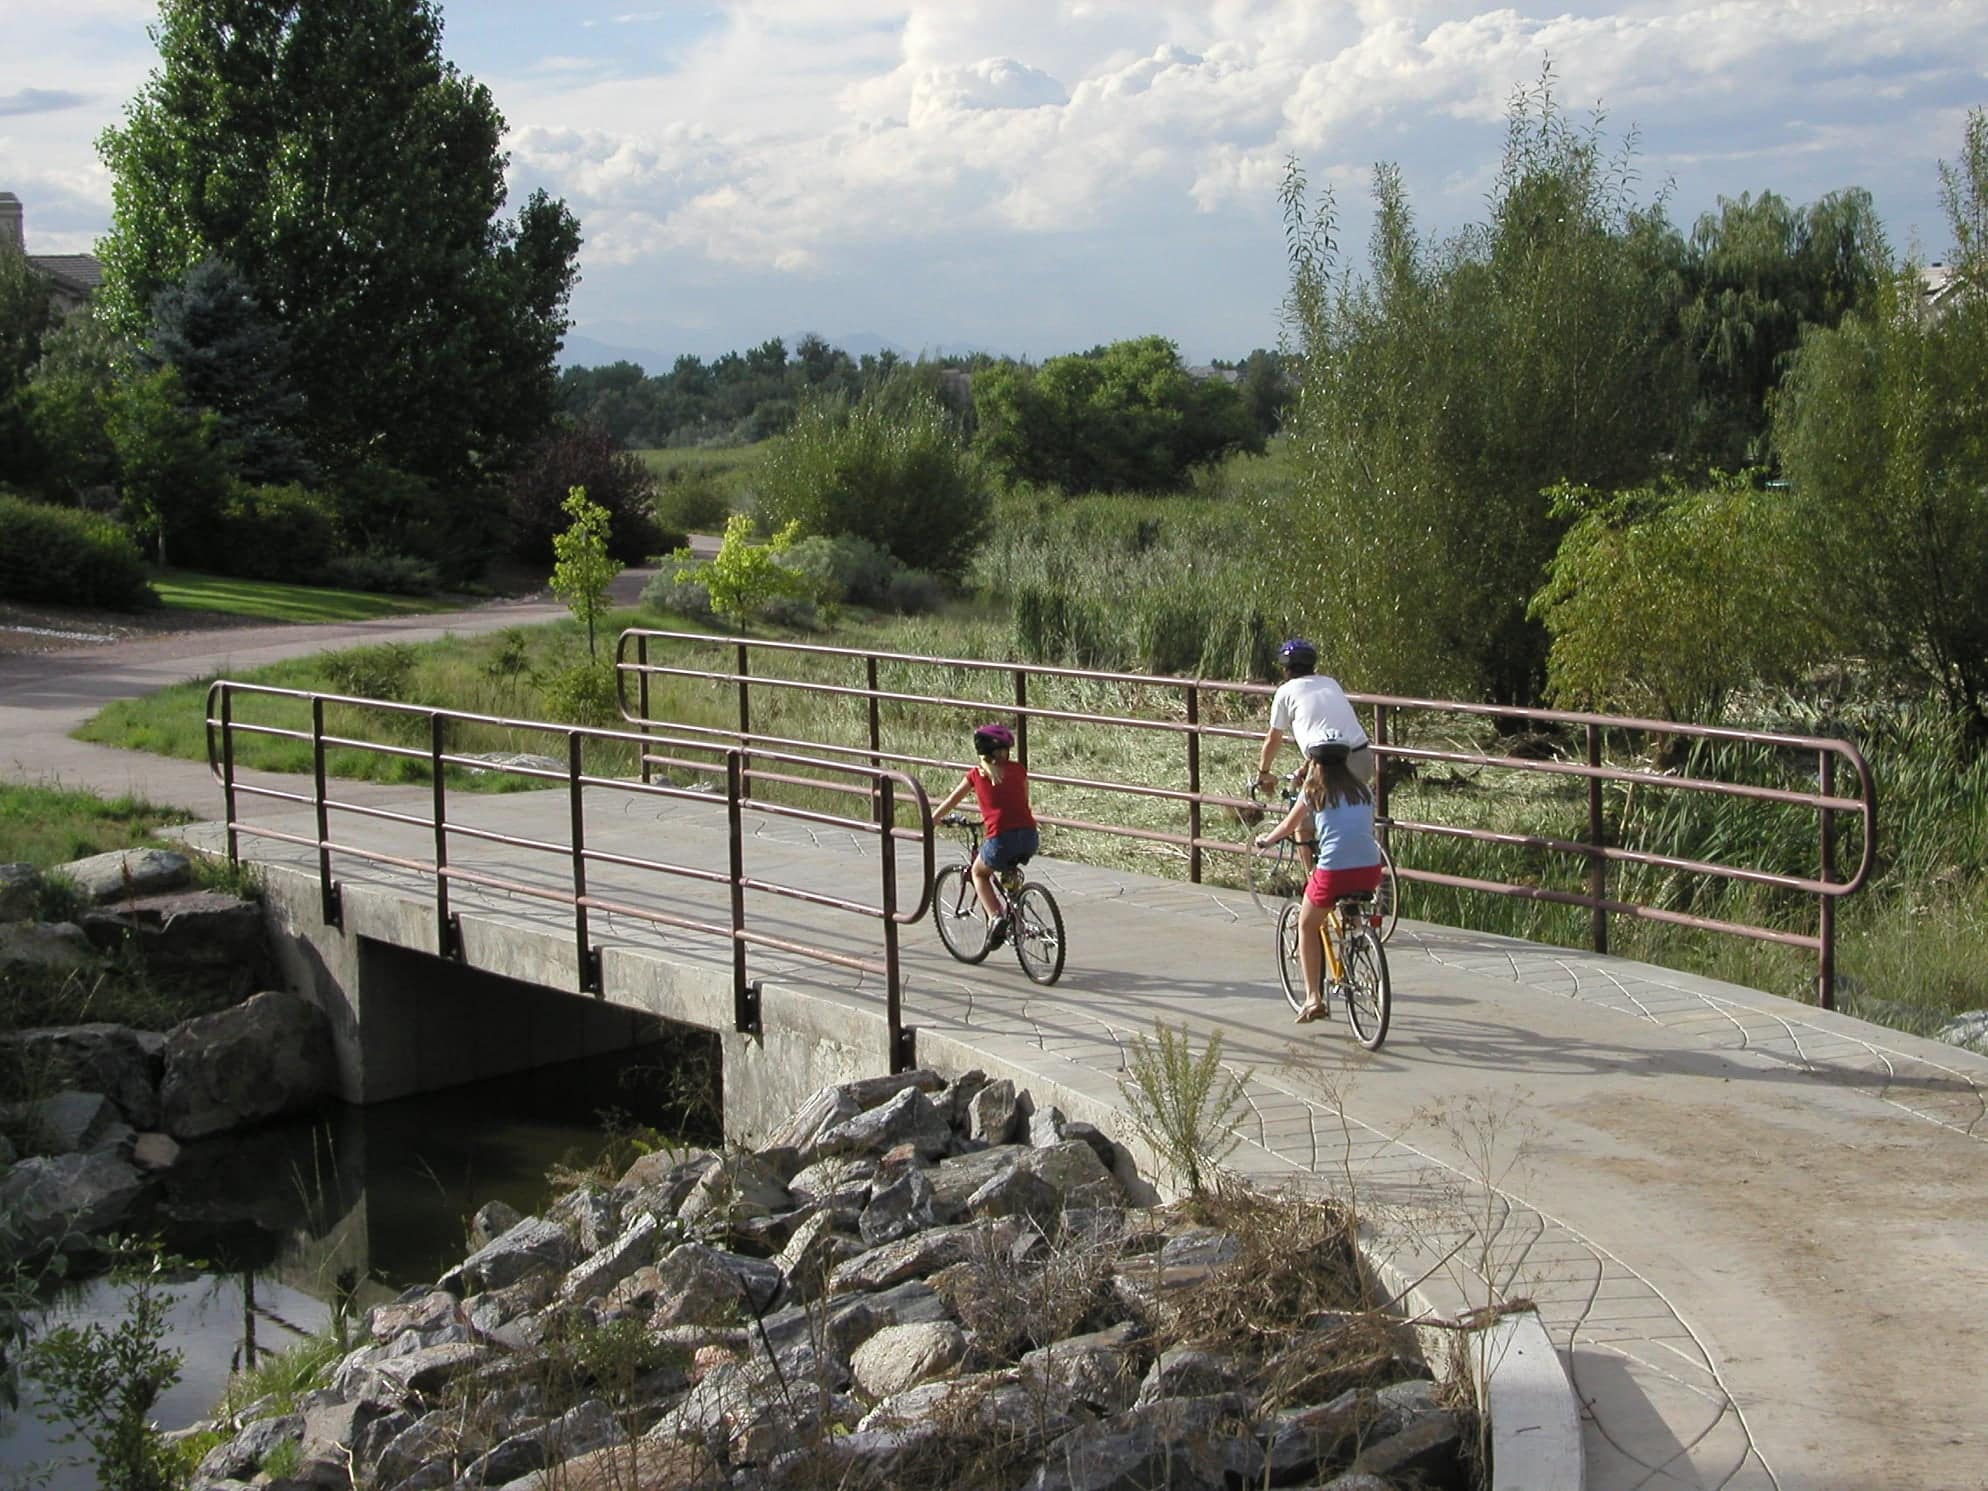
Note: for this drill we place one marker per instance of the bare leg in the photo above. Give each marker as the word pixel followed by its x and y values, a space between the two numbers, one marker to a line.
pixel 983 886
pixel 1311 958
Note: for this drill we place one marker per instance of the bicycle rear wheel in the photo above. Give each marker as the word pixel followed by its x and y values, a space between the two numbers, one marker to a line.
pixel 1290 972
pixel 961 919
pixel 1276 875
pixel 1038 932
pixel 1369 999
pixel 1387 899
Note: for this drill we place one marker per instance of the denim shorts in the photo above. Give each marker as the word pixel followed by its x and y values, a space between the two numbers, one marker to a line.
pixel 1010 847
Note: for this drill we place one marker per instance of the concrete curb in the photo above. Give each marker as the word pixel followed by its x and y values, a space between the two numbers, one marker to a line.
pixel 1525 1397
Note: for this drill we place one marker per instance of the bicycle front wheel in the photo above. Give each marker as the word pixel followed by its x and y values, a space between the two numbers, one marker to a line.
pixel 1038 933
pixel 1290 971
pixel 1387 899
pixel 961 919
pixel 1369 999
pixel 1276 875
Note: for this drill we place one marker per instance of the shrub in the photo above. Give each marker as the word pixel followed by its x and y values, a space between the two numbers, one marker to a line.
pixel 890 469
pixel 381 672
pixel 690 499
pixel 686 597
pixel 581 455
pixel 386 511
pixel 796 611
pixel 276 533
pixel 912 592
pixel 71 558
pixel 582 695
pixel 745 575
pixel 388 574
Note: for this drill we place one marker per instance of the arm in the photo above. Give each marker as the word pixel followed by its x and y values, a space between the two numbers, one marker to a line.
pixel 952 800
pixel 1271 741
pixel 1300 810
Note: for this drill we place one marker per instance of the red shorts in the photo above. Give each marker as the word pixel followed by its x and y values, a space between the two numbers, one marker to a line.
pixel 1327 886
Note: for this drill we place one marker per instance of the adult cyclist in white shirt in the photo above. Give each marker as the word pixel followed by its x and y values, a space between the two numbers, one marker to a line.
pixel 1311 709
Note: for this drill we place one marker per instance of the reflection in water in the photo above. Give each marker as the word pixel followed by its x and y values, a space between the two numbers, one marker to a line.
pixel 294 1221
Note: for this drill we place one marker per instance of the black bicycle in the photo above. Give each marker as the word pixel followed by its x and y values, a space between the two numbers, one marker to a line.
pixel 1029 916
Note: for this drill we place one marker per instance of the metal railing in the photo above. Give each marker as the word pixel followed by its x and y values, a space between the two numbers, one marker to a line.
pixel 1201 712
pixel 881 790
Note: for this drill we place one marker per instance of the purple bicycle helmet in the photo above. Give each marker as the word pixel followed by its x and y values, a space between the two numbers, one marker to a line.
pixel 991 738
pixel 1298 656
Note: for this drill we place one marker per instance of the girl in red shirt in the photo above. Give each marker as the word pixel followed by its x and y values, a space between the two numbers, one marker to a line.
pixel 1001 787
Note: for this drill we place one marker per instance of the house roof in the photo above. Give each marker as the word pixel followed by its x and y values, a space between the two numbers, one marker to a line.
pixel 78 273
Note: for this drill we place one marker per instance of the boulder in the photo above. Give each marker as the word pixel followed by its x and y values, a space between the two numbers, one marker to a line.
pixel 153 1151
pixel 492 1220
pixel 190 934
pixel 121 1063
pixel 19 885
pixel 902 1356
pixel 128 874
pixel 1179 1442
pixel 534 1246
pixel 1969 1029
pixel 268 1056
pixel 739 1188
pixel 1073 1167
pixel 993 1113
pixel 70 1123
pixel 926 1253
pixel 704 1286
pixel 908 1118
pixel 1018 1193
pixel 51 949
pixel 63 1201
pixel 634 1249
pixel 1099 1370
pixel 898 1207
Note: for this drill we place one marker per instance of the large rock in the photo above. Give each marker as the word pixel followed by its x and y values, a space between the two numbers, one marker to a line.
pixel 62 1201
pixel 70 1123
pixel 902 1356
pixel 121 1063
pixel 534 1246
pixel 18 886
pixel 908 1118
pixel 52 949
pixel 268 1056
pixel 128 874
pixel 189 934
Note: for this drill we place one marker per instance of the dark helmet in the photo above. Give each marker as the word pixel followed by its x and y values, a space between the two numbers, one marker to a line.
pixel 1298 656
pixel 1331 749
pixel 989 739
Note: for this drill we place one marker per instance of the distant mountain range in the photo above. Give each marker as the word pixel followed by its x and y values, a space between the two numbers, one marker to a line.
pixel 582 351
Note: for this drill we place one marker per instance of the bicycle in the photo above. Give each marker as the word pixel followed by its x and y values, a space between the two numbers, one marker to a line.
pixel 1277 875
pixel 1029 913
pixel 1352 939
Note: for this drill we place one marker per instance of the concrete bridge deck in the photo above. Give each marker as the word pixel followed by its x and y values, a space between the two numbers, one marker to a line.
pixel 1755 1230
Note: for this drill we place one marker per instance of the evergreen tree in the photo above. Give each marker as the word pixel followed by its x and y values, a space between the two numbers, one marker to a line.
pixel 352 176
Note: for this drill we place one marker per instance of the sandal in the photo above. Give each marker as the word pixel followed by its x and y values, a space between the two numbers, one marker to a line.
pixel 1312 1010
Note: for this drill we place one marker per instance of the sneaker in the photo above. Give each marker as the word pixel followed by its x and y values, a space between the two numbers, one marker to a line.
pixel 997 933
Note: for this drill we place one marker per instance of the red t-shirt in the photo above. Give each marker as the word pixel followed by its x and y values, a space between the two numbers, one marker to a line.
pixel 1005 806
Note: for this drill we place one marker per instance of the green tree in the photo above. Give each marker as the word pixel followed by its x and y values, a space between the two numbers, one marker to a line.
pixel 745 575
pixel 26 313
pixel 890 468
pixel 67 400
pixel 170 476
pixel 1451 384
pixel 354 179
pixel 1124 417
pixel 582 569
pixel 1664 599
pixel 1882 428
pixel 233 359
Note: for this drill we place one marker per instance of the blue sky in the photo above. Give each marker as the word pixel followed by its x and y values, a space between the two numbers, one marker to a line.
pixel 1037 176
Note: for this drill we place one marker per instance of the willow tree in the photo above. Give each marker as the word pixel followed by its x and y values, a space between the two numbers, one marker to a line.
pixel 1447 387
pixel 331 156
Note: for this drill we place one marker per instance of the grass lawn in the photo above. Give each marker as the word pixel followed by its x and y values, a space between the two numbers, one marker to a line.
pixel 45 826
pixel 269 600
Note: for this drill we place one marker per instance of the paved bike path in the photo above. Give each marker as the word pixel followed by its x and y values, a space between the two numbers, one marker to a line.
pixel 1754 1229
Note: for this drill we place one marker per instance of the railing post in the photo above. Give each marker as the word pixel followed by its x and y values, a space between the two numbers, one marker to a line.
pixel 1380 773
pixel 876 713
pixel 642 699
pixel 1825 983
pixel 228 773
pixel 745 724
pixel 327 892
pixel 1598 838
pixel 1021 717
pixel 1194 783
pixel 589 964
pixel 446 942
pixel 903 1042
pixel 745 997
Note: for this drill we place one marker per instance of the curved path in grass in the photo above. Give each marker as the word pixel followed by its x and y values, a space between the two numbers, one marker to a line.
pixel 1757 1232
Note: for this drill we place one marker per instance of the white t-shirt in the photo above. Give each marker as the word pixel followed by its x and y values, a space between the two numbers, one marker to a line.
pixel 1304 708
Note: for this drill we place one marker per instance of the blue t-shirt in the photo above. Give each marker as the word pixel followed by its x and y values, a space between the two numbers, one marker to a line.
pixel 1346 837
